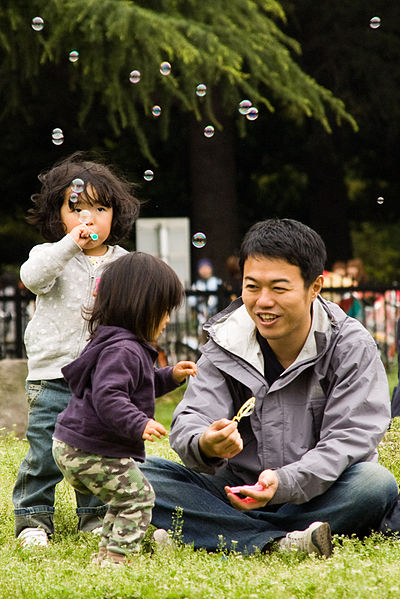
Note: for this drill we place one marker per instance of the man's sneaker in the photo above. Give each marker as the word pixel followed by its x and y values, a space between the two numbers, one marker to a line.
pixel 30 537
pixel 317 538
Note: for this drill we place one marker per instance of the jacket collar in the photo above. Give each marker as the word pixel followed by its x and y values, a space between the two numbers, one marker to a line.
pixel 234 331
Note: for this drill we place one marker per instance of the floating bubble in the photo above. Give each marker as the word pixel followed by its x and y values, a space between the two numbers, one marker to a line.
pixel 156 110
pixel 37 23
pixel 165 68
pixel 57 133
pixel 85 216
pixel 209 131
pixel 148 175
pixel 380 200
pixel 134 76
pixel 375 22
pixel 244 106
pixel 199 240
pixel 201 90
pixel 78 185
pixel 73 56
pixel 252 114
pixel 74 197
pixel 57 136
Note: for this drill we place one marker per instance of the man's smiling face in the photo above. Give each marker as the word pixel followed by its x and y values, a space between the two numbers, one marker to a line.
pixel 277 300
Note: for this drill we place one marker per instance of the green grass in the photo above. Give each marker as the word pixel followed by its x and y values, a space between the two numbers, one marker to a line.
pixel 64 570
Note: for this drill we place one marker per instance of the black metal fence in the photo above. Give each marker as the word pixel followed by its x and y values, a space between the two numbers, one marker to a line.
pixel 378 308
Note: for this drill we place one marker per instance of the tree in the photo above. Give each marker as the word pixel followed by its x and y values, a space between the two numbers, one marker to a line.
pixel 348 171
pixel 236 48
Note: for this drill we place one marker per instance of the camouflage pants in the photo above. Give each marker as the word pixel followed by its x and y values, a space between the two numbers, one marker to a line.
pixel 119 483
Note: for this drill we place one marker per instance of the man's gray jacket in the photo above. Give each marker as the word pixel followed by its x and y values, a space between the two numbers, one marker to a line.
pixel 325 412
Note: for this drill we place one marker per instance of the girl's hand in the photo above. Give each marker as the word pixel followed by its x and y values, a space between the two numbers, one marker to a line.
pixel 153 428
pixel 183 369
pixel 81 235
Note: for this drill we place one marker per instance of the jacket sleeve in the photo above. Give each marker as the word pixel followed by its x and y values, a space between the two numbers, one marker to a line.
pixel 206 400
pixel 46 262
pixel 353 422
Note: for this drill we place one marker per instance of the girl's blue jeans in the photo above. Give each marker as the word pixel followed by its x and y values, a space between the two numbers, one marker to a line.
pixel 38 475
pixel 354 504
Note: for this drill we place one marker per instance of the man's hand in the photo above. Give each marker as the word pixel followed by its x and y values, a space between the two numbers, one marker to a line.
pixel 255 499
pixel 221 440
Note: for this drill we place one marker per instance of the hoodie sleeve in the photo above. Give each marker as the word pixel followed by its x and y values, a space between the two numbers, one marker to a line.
pixel 164 381
pixel 46 262
pixel 115 382
pixel 353 422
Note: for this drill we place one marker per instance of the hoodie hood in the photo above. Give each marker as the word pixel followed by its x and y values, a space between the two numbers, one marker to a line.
pixel 78 373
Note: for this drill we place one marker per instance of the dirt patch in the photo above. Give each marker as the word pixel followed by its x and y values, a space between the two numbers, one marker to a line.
pixel 13 406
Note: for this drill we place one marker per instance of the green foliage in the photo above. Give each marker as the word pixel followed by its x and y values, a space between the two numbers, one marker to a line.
pixel 236 48
pixel 383 263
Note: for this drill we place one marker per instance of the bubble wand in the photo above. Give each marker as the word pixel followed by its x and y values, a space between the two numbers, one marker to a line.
pixel 246 409
pixel 84 217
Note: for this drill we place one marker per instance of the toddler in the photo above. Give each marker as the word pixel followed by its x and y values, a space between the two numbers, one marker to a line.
pixel 100 436
pixel 62 274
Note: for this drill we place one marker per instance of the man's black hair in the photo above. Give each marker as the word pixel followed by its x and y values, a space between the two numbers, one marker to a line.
pixel 289 240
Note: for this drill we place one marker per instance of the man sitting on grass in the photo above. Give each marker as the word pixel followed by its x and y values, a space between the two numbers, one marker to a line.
pixel 322 407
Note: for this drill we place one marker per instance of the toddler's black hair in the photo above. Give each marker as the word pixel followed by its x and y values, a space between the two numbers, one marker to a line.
pixel 110 190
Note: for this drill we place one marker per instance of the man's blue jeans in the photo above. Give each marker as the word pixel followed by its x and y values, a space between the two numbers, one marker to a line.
pixel 355 504
pixel 38 474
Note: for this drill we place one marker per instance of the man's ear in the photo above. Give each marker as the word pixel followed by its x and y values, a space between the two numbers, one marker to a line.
pixel 316 287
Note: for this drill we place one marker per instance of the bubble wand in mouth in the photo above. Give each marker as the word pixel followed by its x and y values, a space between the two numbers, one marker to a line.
pixel 84 217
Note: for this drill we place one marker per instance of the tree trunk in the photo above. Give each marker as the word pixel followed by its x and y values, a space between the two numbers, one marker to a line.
pixel 213 192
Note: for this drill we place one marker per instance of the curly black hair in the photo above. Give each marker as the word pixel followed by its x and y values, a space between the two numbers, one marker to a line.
pixel 110 188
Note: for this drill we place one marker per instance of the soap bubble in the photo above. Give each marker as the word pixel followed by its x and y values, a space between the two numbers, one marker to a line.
pixel 201 90
pixel 134 76
pixel 74 197
pixel 199 240
pixel 57 136
pixel 252 114
pixel 73 56
pixel 209 131
pixel 148 175
pixel 37 23
pixel 85 216
pixel 380 200
pixel 78 185
pixel 165 68
pixel 156 110
pixel 244 106
pixel 375 22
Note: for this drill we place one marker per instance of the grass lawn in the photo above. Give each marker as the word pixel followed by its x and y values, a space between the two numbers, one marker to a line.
pixel 64 570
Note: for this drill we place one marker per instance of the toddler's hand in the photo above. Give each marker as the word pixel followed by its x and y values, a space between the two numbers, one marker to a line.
pixel 153 428
pixel 81 235
pixel 183 369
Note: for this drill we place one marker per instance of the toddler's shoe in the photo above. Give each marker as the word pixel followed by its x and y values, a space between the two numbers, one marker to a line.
pixel 112 558
pixel 98 558
pixel 33 537
pixel 162 539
